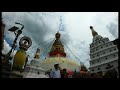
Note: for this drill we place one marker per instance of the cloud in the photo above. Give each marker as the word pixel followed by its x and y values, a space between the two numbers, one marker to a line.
pixel 7 48
pixel 113 29
pixel 41 27
pixel 106 24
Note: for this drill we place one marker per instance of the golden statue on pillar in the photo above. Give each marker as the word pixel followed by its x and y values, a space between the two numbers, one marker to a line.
pixel 37 54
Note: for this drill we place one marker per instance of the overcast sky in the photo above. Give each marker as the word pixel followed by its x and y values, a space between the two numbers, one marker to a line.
pixel 73 26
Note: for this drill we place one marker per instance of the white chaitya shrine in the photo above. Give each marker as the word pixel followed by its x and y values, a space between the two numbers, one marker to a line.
pixel 63 62
pixel 34 70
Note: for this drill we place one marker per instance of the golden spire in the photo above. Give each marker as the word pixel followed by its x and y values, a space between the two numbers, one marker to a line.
pixel 57 47
pixel 57 35
pixel 94 33
pixel 37 54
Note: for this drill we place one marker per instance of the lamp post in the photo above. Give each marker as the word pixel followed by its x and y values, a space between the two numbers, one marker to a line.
pixel 17 34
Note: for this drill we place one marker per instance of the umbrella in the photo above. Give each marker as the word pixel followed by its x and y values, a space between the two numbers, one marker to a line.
pixel 70 72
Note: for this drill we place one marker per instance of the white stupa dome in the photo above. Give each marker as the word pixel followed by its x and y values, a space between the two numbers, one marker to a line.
pixel 63 62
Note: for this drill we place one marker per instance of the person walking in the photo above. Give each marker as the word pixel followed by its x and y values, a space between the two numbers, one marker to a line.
pixel 64 73
pixel 55 73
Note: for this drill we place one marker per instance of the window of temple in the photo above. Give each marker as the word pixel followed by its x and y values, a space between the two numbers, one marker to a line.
pixel 90 45
pixel 110 50
pixel 107 39
pixel 98 68
pixel 90 51
pixel 114 55
pixel 38 73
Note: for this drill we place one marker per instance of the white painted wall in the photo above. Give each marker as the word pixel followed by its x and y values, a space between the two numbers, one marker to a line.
pixel 98 57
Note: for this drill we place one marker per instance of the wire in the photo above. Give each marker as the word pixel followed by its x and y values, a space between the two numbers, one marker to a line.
pixel 48 46
pixel 72 53
pixel 32 48
pixel 41 43
pixel 44 46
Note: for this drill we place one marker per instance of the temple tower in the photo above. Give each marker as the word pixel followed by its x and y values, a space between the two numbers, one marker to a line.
pixel 57 48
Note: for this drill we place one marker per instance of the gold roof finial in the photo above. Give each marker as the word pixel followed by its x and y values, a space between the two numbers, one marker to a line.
pixel 94 33
pixel 57 35
pixel 37 55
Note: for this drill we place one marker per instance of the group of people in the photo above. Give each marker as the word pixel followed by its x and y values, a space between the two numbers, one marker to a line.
pixel 57 72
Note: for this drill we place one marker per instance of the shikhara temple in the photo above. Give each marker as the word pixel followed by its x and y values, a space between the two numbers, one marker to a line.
pixel 103 54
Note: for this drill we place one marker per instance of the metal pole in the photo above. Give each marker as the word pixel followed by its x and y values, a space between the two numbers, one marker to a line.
pixel 14 43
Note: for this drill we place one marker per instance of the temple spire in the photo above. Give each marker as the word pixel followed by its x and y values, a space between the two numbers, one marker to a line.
pixel 57 47
pixel 37 55
pixel 94 33
pixel 57 35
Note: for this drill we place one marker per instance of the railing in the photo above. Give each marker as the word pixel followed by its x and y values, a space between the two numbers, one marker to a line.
pixel 103 49
pixel 100 44
pixel 105 55
pixel 101 63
